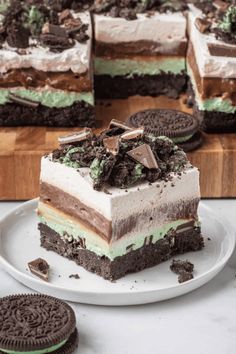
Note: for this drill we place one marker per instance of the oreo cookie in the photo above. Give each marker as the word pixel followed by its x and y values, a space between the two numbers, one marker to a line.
pixel 181 127
pixel 36 323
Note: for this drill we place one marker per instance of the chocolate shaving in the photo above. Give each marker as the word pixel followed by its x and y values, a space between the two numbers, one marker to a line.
pixel 84 134
pixel 203 25
pixel 144 155
pixel 114 123
pixel 40 268
pixel 112 144
pixel 23 101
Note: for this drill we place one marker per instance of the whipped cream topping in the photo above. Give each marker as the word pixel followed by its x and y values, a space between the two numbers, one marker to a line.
pixel 76 58
pixel 208 65
pixel 168 29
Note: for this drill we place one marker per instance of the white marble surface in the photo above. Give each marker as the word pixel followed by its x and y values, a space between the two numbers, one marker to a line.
pixel 203 322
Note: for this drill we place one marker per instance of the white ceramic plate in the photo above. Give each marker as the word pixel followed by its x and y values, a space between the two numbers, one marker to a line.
pixel 19 244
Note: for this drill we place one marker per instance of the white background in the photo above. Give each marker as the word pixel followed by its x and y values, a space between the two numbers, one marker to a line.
pixel 202 322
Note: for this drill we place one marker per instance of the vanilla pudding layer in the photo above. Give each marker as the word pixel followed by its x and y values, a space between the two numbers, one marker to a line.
pixel 76 59
pixel 71 229
pixel 130 66
pixel 158 33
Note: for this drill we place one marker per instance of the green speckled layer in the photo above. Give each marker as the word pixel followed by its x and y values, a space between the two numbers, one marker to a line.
pixel 52 99
pixel 40 351
pixel 217 104
pixel 128 67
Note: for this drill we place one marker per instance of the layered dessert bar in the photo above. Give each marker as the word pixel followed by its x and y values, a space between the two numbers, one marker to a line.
pixel 140 48
pixel 45 65
pixel 119 202
pixel 211 62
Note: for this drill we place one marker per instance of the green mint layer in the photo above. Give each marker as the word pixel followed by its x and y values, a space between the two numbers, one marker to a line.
pixel 51 99
pixel 130 67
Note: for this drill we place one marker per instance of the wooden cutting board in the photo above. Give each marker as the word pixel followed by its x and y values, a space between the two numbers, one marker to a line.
pixel 21 149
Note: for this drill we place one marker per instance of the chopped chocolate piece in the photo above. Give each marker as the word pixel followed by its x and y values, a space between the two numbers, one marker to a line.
pixel 133 134
pixel 178 266
pixel 220 5
pixel 23 101
pixel 75 276
pixel 202 24
pixel 76 137
pixel 64 15
pixel 185 276
pixel 144 155
pixel 112 144
pixel 222 50
pixel 114 123
pixel 40 268
pixel 55 30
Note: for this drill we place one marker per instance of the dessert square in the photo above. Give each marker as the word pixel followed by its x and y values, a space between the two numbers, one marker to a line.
pixel 119 202
pixel 45 66
pixel 211 65
pixel 140 53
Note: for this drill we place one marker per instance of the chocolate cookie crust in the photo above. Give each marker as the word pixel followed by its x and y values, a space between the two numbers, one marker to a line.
pixel 146 85
pixel 34 322
pixel 80 114
pixel 145 257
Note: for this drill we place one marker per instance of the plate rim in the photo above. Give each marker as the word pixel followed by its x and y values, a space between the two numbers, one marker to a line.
pixel 6 265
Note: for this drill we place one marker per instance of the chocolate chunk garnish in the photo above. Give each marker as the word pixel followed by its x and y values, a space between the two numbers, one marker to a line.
pixel 178 266
pixel 133 134
pixel 112 144
pixel 202 24
pixel 40 268
pixel 76 137
pixel 114 123
pixel 23 101
pixel 55 30
pixel 144 155
pixel 220 5
pixel 222 50
pixel 64 15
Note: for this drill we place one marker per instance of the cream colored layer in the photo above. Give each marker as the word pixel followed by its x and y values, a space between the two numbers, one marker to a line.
pixel 70 229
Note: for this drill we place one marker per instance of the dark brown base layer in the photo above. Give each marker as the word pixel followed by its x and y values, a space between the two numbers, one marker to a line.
pixel 80 114
pixel 147 256
pixel 212 121
pixel 122 87
pixel 216 122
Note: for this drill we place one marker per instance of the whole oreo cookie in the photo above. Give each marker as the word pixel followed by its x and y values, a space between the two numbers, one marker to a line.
pixel 36 324
pixel 181 127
